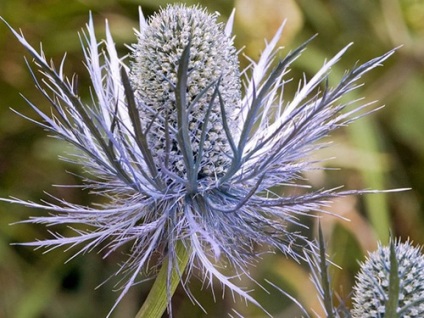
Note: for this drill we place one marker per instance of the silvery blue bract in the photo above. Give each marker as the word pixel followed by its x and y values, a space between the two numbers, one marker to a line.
pixel 186 148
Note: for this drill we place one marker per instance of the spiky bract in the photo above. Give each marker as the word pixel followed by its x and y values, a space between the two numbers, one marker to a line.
pixel 179 156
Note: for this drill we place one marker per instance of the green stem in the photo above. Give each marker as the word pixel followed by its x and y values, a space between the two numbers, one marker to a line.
pixel 157 300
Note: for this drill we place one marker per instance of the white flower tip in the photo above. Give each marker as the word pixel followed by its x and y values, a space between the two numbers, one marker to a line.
pixel 109 39
pixel 278 34
pixel 90 21
pixel 342 51
pixel 229 26
pixel 142 20
pixel 273 43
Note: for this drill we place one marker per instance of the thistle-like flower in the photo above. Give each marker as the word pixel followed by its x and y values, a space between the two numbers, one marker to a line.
pixel 186 149
pixel 371 292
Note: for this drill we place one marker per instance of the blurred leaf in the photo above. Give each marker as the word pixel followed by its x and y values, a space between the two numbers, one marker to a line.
pixel 254 20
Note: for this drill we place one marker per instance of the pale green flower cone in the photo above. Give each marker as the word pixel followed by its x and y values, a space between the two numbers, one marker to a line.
pixel 371 292
pixel 212 61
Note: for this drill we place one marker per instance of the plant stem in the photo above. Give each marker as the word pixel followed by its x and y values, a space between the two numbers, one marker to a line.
pixel 157 300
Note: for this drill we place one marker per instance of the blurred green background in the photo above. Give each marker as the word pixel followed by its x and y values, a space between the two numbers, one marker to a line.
pixel 382 151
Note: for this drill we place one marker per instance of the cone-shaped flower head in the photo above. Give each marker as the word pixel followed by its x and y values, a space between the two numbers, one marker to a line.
pixel 371 291
pixel 212 61
pixel 185 154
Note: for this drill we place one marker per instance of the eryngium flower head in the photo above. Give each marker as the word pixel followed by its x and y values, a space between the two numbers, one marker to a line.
pixel 181 153
pixel 154 76
pixel 371 291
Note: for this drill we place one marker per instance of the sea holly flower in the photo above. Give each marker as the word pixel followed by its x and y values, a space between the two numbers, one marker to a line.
pixel 375 289
pixel 212 67
pixel 186 150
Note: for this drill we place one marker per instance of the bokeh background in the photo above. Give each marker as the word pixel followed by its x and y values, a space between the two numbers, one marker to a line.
pixel 382 151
